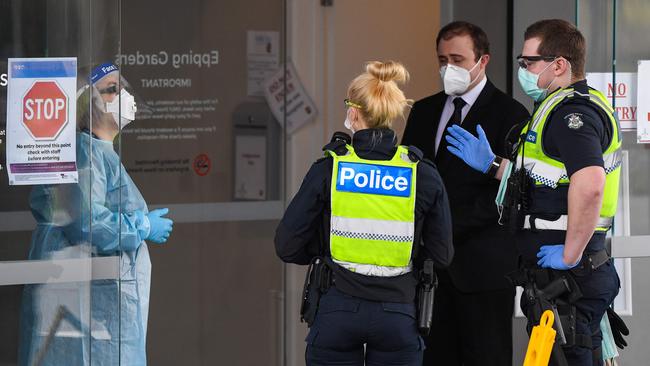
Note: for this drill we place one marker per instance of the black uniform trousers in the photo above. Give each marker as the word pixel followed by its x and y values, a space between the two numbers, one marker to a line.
pixel 349 331
pixel 470 329
pixel 598 288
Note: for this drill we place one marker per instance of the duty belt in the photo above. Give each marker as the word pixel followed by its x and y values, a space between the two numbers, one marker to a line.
pixel 591 262
pixel 536 223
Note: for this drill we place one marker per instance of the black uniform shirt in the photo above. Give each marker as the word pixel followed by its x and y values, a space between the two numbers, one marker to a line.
pixel 305 226
pixel 577 134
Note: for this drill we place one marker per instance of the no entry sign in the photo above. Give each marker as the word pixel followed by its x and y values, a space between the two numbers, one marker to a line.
pixel 41 106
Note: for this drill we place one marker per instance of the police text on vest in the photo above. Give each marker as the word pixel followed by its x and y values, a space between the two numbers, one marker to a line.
pixel 374 179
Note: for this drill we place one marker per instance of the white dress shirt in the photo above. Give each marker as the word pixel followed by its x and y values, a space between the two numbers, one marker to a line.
pixel 469 98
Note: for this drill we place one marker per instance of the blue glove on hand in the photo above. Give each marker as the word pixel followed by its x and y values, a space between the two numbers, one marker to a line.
pixel 475 152
pixel 160 227
pixel 552 256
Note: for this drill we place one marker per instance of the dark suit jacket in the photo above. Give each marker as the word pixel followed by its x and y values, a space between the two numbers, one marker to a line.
pixel 484 250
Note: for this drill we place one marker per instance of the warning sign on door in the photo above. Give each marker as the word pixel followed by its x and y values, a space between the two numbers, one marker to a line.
pixel 643 100
pixel 41 121
pixel 621 95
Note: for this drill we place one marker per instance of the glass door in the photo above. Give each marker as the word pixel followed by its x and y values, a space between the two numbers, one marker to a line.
pixel 617 45
pixel 117 116
pixel 62 253
pixel 208 144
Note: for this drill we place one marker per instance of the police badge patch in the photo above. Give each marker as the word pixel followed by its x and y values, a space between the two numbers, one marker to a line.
pixel 575 122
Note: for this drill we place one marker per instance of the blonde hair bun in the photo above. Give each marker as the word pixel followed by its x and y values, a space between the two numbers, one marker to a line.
pixel 377 92
pixel 387 71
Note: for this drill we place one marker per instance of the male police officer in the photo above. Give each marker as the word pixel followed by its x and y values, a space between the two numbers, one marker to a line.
pixel 563 193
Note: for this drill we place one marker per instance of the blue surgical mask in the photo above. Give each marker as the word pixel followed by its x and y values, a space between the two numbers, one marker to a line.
pixel 528 82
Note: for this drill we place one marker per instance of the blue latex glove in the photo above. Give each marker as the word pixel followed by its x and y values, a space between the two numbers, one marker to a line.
pixel 161 226
pixel 475 152
pixel 552 256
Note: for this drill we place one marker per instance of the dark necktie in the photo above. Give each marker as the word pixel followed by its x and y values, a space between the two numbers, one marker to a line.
pixel 457 116
pixel 455 119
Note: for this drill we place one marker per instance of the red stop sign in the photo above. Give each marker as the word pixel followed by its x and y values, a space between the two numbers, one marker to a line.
pixel 45 110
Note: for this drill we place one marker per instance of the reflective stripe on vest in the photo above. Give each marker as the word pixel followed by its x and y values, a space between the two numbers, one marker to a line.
pixel 549 172
pixel 372 225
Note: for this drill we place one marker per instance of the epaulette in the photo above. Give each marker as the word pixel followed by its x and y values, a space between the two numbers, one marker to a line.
pixel 338 143
pixel 415 154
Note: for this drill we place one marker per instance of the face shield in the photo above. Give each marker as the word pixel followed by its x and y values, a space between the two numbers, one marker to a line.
pixel 114 91
pixel 90 109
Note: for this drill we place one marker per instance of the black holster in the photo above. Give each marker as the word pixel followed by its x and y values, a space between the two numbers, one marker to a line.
pixel 516 201
pixel 548 290
pixel 425 296
pixel 317 282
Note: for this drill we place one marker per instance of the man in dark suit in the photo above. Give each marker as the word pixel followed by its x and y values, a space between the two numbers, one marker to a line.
pixel 474 302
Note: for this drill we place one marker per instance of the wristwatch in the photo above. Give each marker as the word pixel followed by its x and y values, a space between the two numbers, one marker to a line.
pixel 494 167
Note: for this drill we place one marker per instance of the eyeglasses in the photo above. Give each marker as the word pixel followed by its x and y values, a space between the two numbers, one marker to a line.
pixel 525 61
pixel 349 103
pixel 109 90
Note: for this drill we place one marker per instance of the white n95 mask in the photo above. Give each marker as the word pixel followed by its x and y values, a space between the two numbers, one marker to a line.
pixel 456 79
pixel 125 104
pixel 348 124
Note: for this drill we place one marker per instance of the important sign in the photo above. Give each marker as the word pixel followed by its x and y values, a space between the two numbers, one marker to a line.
pixel 292 107
pixel 45 110
pixel 41 106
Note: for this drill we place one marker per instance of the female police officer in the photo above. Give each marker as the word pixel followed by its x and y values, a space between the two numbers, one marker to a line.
pixel 373 211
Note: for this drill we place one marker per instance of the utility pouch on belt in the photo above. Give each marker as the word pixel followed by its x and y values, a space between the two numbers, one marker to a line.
pixel 317 281
pixel 426 292
pixel 516 200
